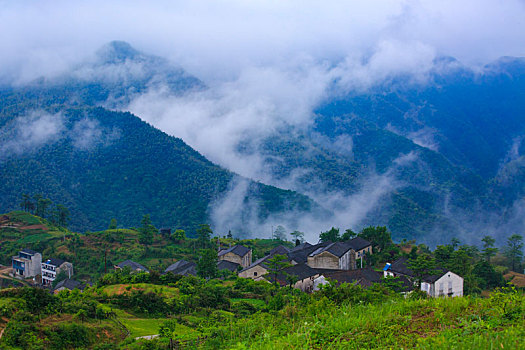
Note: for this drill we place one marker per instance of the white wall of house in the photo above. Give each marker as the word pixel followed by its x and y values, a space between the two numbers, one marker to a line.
pixel 449 284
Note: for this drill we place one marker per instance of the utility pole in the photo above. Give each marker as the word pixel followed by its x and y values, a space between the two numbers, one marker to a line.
pixel 105 258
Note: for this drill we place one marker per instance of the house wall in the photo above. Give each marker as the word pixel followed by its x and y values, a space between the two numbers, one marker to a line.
pixel 449 284
pixel 244 261
pixel 306 285
pixel 325 260
pixel 32 267
pixel 347 261
pixel 363 252
pixel 254 272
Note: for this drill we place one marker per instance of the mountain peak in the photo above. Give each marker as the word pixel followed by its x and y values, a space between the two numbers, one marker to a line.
pixel 117 52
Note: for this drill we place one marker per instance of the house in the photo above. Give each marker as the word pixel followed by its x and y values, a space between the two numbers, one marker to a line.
pixel 361 247
pixel 134 266
pixel 165 231
pixel 260 267
pixel 70 284
pixel 227 265
pixel 301 275
pixel 441 283
pixel 257 269
pixel 238 254
pixel 182 267
pixel 365 277
pixel 337 256
pixel 27 263
pixel 52 267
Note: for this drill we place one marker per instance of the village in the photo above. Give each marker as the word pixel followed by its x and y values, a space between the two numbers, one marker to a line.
pixel 305 267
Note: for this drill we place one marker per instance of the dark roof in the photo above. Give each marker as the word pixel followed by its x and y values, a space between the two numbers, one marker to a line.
pixel 54 261
pixel 182 267
pixel 301 246
pixel 300 271
pixel 69 284
pixel 364 277
pixel 358 243
pixel 132 265
pixel 236 249
pixel 227 265
pixel 28 251
pixel 282 250
pixel 338 249
pixel 301 255
pixel 400 266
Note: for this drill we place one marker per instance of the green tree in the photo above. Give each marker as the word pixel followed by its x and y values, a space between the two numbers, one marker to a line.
pixel 454 242
pixel 61 215
pixel 26 203
pixel 514 252
pixel 488 248
pixel 204 233
pixel 422 266
pixel 275 264
pixel 378 236
pixel 112 224
pixel 207 264
pixel 297 235
pixel 179 235
pixel 348 235
pixel 331 235
pixel 81 315
pixel 487 276
pixel 279 233
pixel 42 206
pixel 147 230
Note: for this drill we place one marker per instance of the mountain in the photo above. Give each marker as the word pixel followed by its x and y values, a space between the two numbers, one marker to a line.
pixel 103 164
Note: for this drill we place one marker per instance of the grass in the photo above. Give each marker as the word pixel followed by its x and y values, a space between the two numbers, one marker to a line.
pixel 167 292
pixel 255 302
pixel 35 238
pixel 459 323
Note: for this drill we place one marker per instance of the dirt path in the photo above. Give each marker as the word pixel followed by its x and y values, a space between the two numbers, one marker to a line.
pixel 148 337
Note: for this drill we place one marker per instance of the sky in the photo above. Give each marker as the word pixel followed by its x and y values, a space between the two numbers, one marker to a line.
pixel 217 40
pixel 267 65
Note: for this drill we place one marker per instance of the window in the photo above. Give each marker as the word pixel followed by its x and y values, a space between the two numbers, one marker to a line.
pixel 255 273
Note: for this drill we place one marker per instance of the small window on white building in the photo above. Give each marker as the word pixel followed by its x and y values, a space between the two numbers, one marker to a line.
pixel 255 273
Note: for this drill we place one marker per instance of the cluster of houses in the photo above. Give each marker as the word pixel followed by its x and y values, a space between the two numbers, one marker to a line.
pixel 310 266
pixel 29 264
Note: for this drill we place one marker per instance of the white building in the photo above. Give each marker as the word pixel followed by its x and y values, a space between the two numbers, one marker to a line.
pixel 442 283
pixel 52 267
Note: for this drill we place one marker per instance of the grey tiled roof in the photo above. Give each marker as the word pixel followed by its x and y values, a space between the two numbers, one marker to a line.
pixel 54 261
pixel 132 265
pixel 227 265
pixel 236 249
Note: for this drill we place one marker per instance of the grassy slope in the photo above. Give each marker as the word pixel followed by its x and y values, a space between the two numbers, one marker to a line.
pixel 460 323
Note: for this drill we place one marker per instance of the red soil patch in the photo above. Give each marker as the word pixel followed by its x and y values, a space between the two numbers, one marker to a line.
pixel 34 227
pixel 517 279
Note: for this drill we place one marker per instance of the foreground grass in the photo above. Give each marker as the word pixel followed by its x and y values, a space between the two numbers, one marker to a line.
pixel 459 323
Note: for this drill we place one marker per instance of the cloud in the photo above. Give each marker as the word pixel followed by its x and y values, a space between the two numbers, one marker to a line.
pixel 31 132
pixel 218 40
pixel 38 128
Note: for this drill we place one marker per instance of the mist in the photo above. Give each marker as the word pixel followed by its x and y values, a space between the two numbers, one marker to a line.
pixel 266 66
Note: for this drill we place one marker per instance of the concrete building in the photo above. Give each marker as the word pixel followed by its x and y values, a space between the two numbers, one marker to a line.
pixel 27 263
pixel 52 267
pixel 237 254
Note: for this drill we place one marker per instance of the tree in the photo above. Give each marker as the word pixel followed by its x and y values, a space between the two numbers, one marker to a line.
pixel 279 233
pixel 26 203
pixel 422 266
pixel 204 233
pixel 348 235
pixel 378 236
pixel 147 230
pixel 297 235
pixel 207 264
pixel 488 248
pixel 454 242
pixel 277 263
pixel 112 224
pixel 61 215
pixel 443 253
pixel 179 235
pixel 514 251
pixel 81 315
pixel 331 235
pixel 488 277
pixel 42 205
